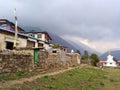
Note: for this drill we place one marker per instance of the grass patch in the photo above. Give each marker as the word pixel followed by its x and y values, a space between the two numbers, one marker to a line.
pixel 20 73
pixel 111 80
pixel 77 79
pixel 87 78
pixel 45 77
pixel 12 76
pixel 102 84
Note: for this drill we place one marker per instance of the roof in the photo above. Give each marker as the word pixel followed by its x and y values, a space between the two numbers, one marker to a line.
pixel 102 61
pixel 40 32
pixel 63 46
pixel 21 34
pixel 118 60
pixel 11 23
pixel 10 31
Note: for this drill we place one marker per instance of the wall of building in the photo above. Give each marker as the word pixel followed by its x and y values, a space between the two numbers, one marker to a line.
pixel 22 42
pixel 4 37
pixel 2 42
pixel 43 37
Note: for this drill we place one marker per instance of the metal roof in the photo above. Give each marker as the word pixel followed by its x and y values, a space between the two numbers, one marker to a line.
pixel 11 23
pixel 21 34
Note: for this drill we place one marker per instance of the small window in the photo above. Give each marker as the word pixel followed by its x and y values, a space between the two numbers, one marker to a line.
pixel 4 25
pixel 31 34
pixel 54 51
pixel 39 35
pixel 9 45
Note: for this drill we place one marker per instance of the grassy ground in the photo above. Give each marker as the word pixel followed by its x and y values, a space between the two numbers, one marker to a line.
pixel 87 78
pixel 21 74
pixel 77 79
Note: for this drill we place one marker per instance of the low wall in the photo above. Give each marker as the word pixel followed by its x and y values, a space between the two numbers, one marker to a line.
pixel 13 61
pixel 54 60
pixel 73 59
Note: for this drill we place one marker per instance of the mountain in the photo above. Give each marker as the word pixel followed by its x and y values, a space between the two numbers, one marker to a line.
pixel 83 47
pixel 56 39
pixel 115 54
pixel 72 45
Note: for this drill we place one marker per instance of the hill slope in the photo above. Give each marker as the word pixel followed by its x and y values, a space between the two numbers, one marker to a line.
pixel 83 47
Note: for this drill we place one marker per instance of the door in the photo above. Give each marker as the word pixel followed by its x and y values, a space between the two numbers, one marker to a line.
pixel 36 51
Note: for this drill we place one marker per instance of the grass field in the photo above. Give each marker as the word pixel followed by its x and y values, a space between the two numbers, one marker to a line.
pixel 87 78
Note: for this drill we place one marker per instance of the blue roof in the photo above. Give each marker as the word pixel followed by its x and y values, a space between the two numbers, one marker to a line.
pixel 25 35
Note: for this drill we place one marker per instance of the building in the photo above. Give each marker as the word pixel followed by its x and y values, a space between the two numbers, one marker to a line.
pixel 109 62
pixel 7 39
pixel 7 32
pixel 44 38
pixel 4 23
pixel 23 40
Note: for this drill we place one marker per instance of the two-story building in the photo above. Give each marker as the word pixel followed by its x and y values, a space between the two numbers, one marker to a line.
pixel 23 40
pixel 44 39
pixel 7 33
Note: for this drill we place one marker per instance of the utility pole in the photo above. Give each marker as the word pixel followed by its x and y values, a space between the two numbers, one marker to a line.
pixel 16 30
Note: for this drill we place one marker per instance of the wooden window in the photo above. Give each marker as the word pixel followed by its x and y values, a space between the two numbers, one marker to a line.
pixel 39 35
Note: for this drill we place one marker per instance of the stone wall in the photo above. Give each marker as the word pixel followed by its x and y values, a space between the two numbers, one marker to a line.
pixel 54 60
pixel 73 59
pixel 13 61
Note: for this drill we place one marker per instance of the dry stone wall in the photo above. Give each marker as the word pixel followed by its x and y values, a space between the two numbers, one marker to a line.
pixel 55 61
pixel 13 61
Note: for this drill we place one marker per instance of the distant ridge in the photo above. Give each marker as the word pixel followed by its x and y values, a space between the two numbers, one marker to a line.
pixel 83 47
pixel 59 40
pixel 115 53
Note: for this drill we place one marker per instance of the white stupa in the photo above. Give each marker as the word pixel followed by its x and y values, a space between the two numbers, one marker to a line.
pixel 72 51
pixel 110 62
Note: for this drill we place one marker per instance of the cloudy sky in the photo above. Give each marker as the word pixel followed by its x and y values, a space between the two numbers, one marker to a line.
pixel 95 23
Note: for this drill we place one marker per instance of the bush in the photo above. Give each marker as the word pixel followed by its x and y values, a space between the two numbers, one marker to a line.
pixel 20 73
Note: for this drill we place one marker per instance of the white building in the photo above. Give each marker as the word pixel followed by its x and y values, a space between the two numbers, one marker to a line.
pixel 109 62
pixel 44 39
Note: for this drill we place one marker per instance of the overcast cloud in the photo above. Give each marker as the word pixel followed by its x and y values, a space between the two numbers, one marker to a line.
pixel 92 22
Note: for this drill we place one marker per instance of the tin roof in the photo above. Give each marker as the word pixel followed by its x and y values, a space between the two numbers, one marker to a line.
pixel 40 32
pixel 2 20
pixel 21 34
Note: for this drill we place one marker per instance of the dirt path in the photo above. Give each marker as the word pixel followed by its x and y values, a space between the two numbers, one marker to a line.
pixel 7 84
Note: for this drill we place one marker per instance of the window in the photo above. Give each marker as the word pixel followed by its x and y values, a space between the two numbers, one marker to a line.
pixel 54 51
pixel 31 34
pixel 39 35
pixel 3 25
pixel 30 44
pixel 9 45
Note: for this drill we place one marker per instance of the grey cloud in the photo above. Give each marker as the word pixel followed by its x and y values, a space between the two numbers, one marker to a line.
pixel 92 19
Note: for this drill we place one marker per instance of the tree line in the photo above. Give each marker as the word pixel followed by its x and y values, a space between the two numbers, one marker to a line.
pixel 92 59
